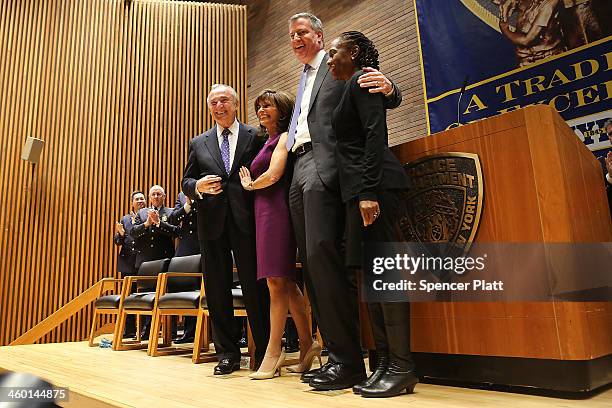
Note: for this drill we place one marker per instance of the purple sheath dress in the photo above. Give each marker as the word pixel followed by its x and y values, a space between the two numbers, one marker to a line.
pixel 276 247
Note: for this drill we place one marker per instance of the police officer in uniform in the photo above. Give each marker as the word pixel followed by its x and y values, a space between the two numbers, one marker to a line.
pixel 153 234
pixel 185 216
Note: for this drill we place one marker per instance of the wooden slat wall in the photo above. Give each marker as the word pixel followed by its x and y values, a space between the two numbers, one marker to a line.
pixel 116 89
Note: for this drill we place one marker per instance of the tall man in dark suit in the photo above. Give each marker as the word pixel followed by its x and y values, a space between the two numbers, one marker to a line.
pixel 226 224
pixel 126 261
pixel 316 206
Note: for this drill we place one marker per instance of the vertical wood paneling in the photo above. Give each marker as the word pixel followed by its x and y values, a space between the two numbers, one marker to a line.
pixel 116 91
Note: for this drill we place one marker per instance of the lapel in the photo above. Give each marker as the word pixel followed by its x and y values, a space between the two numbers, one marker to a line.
pixel 212 143
pixel 321 74
pixel 244 139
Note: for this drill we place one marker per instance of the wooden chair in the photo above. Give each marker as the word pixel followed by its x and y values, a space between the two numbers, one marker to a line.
pixel 106 305
pixel 177 297
pixel 141 303
pixel 202 337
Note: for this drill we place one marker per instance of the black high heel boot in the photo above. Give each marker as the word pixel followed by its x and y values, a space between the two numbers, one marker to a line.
pixel 391 383
pixel 380 340
pixel 381 368
pixel 400 374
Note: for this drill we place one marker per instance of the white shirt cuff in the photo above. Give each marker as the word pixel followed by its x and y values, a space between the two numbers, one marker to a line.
pixel 609 178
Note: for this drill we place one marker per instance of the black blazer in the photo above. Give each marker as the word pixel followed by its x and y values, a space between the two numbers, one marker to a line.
pixel 205 159
pixel 126 261
pixel 326 93
pixel 188 223
pixel 154 242
pixel 366 164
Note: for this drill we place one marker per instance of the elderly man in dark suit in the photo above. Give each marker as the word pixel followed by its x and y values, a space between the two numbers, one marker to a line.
pixel 226 225
pixel 316 206
pixel 126 261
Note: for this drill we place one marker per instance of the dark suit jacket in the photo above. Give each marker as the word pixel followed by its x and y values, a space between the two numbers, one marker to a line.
pixel 154 242
pixel 205 159
pixel 126 261
pixel 326 93
pixel 188 224
pixel 367 166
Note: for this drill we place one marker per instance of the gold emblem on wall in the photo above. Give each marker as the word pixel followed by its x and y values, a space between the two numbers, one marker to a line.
pixel 444 202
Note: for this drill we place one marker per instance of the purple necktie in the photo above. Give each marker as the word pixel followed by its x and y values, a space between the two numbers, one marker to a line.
pixel 296 108
pixel 225 149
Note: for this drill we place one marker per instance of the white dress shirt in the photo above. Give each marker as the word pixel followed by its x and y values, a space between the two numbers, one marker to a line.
pixel 302 134
pixel 233 138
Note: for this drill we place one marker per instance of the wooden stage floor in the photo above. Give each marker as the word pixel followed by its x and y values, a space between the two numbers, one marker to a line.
pixel 99 377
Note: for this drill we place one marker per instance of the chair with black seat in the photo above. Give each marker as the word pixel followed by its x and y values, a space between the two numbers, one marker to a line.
pixel 202 339
pixel 141 303
pixel 109 305
pixel 180 289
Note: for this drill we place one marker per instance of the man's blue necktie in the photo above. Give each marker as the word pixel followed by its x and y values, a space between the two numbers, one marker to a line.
pixel 296 108
pixel 225 149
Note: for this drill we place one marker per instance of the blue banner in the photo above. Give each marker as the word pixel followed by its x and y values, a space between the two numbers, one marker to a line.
pixel 513 53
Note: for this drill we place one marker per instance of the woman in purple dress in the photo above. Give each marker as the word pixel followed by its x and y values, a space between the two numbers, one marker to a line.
pixel 276 246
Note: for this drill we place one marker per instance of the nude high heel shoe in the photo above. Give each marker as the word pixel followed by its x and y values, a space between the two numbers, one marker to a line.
pixel 265 375
pixel 306 363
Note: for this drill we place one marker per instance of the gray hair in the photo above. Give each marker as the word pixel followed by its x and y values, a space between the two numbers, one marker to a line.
pixel 608 123
pixel 316 24
pixel 219 87
pixel 157 187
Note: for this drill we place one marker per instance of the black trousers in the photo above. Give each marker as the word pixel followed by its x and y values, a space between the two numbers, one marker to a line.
pixel 218 280
pixel 390 321
pixel 318 220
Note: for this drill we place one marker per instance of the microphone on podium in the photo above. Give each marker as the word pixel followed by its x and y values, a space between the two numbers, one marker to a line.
pixel 465 82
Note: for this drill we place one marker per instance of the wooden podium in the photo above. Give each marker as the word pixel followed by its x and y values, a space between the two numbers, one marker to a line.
pixel 541 184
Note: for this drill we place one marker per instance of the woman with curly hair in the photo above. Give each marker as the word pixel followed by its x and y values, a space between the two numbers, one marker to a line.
pixel 371 180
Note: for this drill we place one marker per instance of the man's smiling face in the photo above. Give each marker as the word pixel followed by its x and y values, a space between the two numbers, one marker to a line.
pixel 305 41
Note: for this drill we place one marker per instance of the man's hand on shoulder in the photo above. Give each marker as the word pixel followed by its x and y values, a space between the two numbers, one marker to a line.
pixel 376 81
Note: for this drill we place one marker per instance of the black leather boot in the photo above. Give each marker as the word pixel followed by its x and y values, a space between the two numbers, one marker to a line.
pixel 380 340
pixel 381 368
pixel 400 374
pixel 391 383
